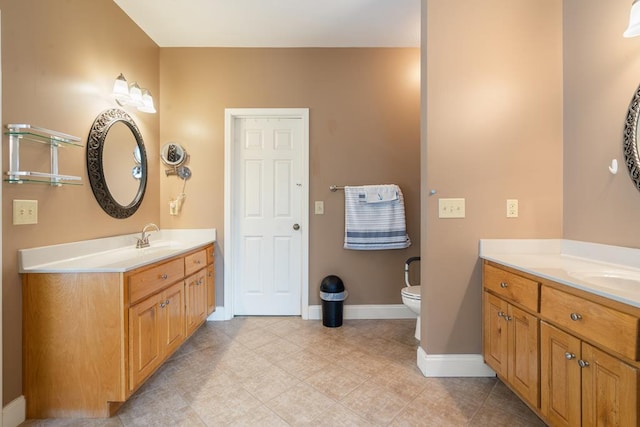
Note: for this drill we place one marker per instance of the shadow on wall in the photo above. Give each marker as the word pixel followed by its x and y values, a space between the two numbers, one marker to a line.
pixel 469 302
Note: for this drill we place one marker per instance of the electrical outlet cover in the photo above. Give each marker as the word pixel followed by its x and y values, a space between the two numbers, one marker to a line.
pixel 512 208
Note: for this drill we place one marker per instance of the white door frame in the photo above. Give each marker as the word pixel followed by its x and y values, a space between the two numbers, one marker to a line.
pixel 1 364
pixel 230 115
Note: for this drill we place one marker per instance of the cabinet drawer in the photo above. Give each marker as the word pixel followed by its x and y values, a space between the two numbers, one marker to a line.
pixel 195 262
pixel 512 287
pixel 154 279
pixel 602 325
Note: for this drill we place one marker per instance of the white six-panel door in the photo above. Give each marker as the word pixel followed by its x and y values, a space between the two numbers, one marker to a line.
pixel 267 215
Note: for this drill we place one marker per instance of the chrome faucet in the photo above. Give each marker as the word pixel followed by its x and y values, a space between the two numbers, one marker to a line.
pixel 143 240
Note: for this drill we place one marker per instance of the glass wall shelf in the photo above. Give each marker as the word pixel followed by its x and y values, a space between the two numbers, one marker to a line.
pixel 25 132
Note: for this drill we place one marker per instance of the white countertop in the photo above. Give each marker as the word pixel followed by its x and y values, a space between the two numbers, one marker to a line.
pixel 609 271
pixel 112 254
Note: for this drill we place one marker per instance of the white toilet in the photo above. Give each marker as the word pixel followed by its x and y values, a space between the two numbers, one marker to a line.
pixel 411 295
pixel 411 298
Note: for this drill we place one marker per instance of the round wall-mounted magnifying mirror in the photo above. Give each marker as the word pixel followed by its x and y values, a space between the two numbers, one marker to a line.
pixel 136 172
pixel 118 183
pixel 173 154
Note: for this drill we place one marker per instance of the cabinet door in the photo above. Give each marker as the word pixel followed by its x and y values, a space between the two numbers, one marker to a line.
pixel 211 290
pixel 523 366
pixel 495 333
pixel 609 390
pixel 560 376
pixel 196 300
pixel 172 313
pixel 145 349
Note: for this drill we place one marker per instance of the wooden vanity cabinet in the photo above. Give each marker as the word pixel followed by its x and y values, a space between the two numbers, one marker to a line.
pixel 90 340
pixel 511 334
pixel 582 349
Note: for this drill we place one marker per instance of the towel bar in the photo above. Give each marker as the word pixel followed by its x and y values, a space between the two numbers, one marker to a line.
pixel 334 188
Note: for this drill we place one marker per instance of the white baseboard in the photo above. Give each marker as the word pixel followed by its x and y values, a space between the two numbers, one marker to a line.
pixel 218 315
pixel 373 311
pixel 453 365
pixel 14 413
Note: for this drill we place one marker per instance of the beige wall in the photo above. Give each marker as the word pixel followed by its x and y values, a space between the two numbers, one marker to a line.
pixel 492 130
pixel 601 74
pixel 364 129
pixel 59 61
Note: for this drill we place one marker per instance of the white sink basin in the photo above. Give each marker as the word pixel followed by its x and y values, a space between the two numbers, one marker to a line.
pixel 615 280
pixel 122 254
pixel 166 244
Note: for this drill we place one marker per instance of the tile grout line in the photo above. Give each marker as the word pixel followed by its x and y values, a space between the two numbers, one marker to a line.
pixel 484 401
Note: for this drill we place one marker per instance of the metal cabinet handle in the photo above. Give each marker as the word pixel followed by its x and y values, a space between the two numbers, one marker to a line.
pixel 164 276
pixel 569 356
pixel 501 314
pixel 583 363
pixel 503 284
pixel 162 304
pixel 167 302
pixel 576 316
pixel 508 318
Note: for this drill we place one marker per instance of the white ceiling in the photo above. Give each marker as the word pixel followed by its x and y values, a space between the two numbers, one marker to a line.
pixel 277 23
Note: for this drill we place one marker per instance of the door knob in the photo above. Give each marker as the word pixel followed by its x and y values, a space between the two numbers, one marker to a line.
pixel 296 227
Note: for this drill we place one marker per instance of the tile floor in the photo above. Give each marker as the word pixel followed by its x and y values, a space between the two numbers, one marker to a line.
pixel 265 371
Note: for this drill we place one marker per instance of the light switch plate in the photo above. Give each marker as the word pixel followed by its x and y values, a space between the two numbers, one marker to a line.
pixel 451 208
pixel 25 212
pixel 319 207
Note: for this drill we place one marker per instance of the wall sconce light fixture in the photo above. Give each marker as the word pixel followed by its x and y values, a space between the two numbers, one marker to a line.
pixel 633 30
pixel 132 95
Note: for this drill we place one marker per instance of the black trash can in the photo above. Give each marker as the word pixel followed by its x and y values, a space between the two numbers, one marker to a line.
pixel 333 295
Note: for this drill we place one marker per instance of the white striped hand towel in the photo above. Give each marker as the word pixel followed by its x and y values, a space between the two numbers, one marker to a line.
pixel 374 226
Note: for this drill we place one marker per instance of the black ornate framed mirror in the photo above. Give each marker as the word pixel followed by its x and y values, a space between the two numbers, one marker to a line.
pixel 630 139
pixel 113 136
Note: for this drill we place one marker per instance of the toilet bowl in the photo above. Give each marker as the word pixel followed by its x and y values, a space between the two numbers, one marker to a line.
pixel 411 295
pixel 411 298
